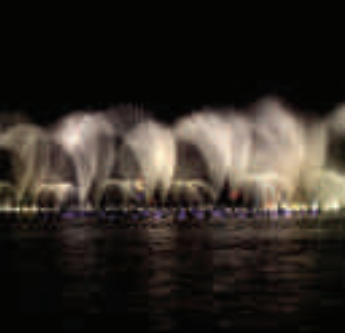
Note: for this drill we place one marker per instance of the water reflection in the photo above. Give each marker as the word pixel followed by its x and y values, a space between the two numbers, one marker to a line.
pixel 161 277
pixel 173 278
pixel 181 279
pixel 105 270
pixel 258 279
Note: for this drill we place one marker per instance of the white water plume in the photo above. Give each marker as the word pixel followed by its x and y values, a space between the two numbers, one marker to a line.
pixel 154 148
pixel 269 150
pixel 29 145
pixel 212 136
pixel 88 139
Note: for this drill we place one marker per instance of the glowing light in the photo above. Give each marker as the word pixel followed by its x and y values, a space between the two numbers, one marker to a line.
pixel 234 195
pixel 270 153
pixel 315 206
pixel 332 206
pixel 139 184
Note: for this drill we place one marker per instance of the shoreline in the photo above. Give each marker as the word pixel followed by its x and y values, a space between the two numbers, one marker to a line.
pixel 171 218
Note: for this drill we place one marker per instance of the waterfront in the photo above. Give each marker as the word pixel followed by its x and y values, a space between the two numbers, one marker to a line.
pixel 202 278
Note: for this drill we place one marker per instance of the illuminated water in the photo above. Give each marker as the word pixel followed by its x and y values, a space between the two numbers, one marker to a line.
pixel 255 277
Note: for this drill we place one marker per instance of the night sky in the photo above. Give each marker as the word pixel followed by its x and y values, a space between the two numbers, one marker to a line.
pixel 311 96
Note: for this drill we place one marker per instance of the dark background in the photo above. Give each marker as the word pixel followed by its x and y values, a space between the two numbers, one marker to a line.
pixel 314 95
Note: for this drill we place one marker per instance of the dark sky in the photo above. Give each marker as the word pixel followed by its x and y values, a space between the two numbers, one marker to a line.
pixel 311 96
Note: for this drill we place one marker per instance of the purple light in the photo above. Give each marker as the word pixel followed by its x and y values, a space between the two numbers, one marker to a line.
pixel 182 215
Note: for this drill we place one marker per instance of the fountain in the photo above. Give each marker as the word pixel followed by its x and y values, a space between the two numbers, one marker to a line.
pixel 270 156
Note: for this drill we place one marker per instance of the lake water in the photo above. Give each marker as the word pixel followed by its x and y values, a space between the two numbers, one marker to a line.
pixel 236 276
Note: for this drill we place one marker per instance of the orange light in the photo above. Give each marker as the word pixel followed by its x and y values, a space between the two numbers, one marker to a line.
pixel 139 184
pixel 234 194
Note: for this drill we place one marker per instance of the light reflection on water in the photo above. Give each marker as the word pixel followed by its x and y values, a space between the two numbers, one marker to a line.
pixel 178 278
